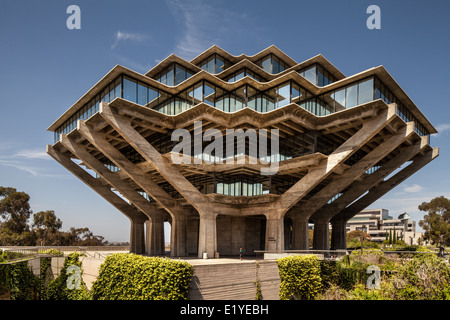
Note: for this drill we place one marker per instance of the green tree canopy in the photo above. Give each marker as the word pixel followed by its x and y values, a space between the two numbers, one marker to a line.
pixel 436 222
pixel 14 209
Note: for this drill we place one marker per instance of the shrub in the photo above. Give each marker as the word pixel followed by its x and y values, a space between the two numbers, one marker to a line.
pixel 126 276
pixel 52 252
pixel 300 277
pixel 58 289
pixel 425 277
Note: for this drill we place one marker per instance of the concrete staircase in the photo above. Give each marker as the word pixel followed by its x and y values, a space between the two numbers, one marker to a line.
pixel 235 281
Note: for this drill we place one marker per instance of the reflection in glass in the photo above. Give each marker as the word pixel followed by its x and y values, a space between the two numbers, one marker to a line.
pixel 365 91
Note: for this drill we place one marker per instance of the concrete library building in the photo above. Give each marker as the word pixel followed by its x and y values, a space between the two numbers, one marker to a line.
pixel 242 151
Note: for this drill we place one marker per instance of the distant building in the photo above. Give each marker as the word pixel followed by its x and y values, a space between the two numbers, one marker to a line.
pixel 378 223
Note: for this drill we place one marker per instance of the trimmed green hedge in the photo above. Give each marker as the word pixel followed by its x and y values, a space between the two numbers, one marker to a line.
pixel 300 277
pixel 125 276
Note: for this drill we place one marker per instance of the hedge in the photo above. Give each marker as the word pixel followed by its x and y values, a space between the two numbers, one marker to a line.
pixel 300 277
pixel 125 276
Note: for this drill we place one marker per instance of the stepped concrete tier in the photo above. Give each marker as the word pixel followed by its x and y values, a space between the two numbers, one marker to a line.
pixel 241 151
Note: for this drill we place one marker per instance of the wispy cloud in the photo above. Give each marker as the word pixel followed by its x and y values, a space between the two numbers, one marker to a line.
pixel 32 161
pixel 204 25
pixel 121 36
pixel 442 127
pixel 32 154
pixel 412 189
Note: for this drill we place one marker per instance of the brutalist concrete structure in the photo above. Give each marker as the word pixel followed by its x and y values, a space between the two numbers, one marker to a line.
pixel 339 139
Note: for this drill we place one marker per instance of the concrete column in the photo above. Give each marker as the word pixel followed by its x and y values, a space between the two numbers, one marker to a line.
pixel 321 235
pixel 137 237
pixel 338 235
pixel 300 234
pixel 274 233
pixel 207 237
pixel 155 236
pixel 178 236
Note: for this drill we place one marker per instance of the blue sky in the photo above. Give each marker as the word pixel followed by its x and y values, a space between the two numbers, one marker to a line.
pixel 45 68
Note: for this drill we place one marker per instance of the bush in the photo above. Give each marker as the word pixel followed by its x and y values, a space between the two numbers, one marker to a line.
pixel 58 288
pixel 425 277
pixel 300 277
pixel 126 276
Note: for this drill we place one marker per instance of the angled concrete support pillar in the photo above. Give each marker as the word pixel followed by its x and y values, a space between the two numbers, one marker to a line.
pixel 300 233
pixel 336 158
pixel 321 238
pixel 137 236
pixel 178 236
pixel 155 236
pixel 386 185
pixel 100 186
pixel 275 230
pixel 207 237
pixel 338 234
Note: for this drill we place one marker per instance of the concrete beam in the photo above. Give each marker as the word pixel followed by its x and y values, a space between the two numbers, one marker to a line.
pixel 369 129
pixel 386 185
pixel 135 216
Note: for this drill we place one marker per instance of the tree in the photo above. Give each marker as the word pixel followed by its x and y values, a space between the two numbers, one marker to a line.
pixel 436 222
pixel 14 209
pixel 46 226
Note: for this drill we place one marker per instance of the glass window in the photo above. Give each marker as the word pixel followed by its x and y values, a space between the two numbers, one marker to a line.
pixel 310 75
pixel 339 97
pixel 152 96
pixel 209 94
pixel 142 95
pixel 170 76
pixel 180 75
pixel 365 91
pixel 296 94
pixel 266 64
pixel 283 95
pixel 220 64
pixel 351 96
pixel 118 88
pixel 239 99
pixel 320 78
pixel 129 90
pixel 197 93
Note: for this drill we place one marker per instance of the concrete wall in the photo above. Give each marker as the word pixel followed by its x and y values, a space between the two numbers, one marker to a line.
pixel 235 281
pixel 211 281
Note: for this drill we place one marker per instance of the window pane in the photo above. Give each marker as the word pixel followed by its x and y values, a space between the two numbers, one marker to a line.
pixel 351 96
pixel 198 93
pixel 209 94
pixel 142 95
pixel 129 90
pixel 339 97
pixel 365 91
pixel 295 93
pixel 283 95
pixel 266 64
pixel 220 65
pixel 118 88
pixel 310 75
pixel 152 97
pixel 320 79
pixel 170 79
pixel 180 75
pixel 210 65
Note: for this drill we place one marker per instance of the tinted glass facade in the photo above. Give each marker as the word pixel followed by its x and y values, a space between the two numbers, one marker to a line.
pixel 318 75
pixel 345 97
pixel 272 64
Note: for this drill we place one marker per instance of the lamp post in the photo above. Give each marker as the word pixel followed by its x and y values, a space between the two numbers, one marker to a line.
pixel 362 237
